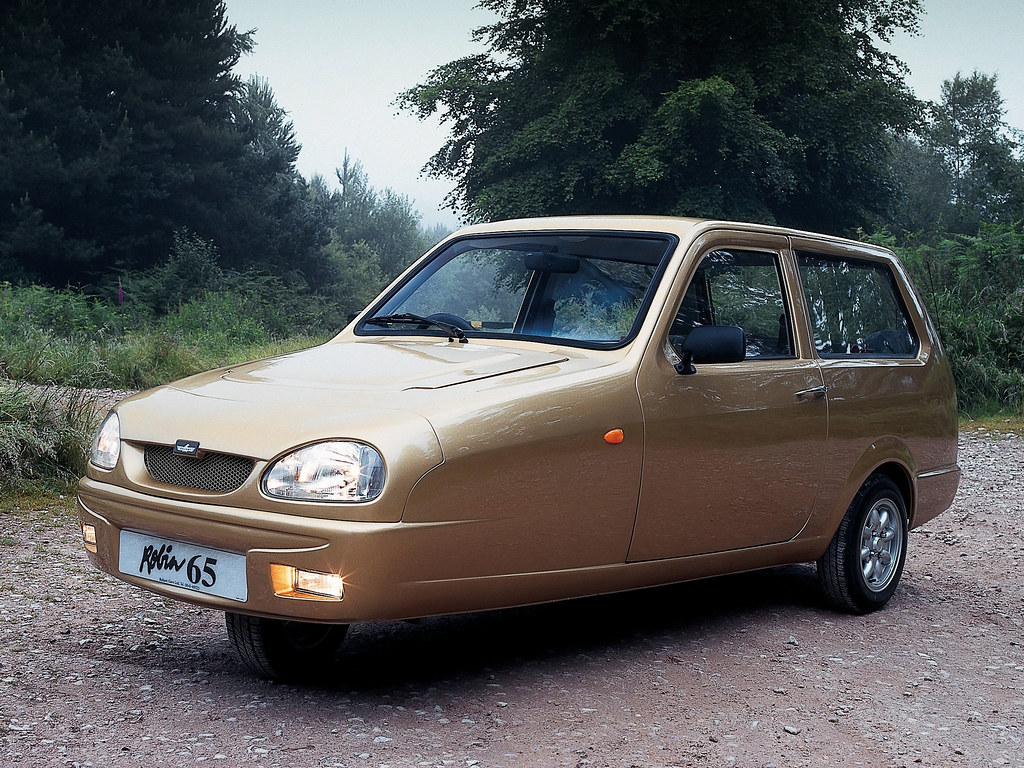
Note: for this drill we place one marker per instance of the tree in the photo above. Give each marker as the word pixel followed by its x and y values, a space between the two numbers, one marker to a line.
pixel 272 222
pixel 774 110
pixel 968 132
pixel 924 190
pixel 116 131
pixel 384 222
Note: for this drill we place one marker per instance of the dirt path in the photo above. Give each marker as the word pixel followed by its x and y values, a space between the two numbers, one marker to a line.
pixel 740 671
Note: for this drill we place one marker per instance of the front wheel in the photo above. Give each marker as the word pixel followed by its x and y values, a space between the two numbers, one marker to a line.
pixel 861 568
pixel 284 650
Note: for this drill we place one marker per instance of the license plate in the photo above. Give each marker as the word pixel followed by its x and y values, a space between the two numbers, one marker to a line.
pixel 200 569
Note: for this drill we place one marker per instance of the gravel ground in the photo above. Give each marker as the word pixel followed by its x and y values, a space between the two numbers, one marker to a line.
pixel 747 670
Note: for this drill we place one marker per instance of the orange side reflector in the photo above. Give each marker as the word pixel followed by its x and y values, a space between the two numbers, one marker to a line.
pixel 614 437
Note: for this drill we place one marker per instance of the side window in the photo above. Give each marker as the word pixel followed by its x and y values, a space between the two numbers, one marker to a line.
pixel 742 288
pixel 856 309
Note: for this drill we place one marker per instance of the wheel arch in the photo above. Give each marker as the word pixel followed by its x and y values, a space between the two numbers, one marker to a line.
pixel 891 458
pixel 900 475
pixel 888 457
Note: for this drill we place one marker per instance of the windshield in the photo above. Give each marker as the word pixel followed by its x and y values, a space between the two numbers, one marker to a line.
pixel 584 289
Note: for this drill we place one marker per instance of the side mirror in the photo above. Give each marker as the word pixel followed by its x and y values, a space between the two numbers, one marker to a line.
pixel 712 344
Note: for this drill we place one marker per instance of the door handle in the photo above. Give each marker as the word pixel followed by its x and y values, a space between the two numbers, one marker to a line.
pixel 814 393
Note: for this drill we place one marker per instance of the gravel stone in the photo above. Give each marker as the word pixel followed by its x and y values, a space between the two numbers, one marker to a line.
pixel 95 672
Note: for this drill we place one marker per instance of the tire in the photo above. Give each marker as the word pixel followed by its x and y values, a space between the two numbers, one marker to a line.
pixel 862 566
pixel 284 650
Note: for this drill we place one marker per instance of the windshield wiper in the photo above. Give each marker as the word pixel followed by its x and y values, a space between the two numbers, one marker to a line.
pixel 453 331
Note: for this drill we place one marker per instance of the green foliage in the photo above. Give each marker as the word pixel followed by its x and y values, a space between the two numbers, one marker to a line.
pixel 356 274
pixel 190 271
pixel 37 355
pixel 116 130
pixel 762 109
pixel 121 124
pixel 49 336
pixel 974 289
pixel 62 312
pixel 383 223
pixel 43 434
pixel 968 132
pixel 132 159
pixel 959 227
pixel 964 169
pixel 270 220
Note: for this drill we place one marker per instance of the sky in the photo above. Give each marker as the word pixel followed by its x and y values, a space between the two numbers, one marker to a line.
pixel 337 66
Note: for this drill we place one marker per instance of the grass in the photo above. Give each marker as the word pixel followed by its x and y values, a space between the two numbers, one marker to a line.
pixel 137 360
pixel 1002 423
pixel 45 429
pixel 56 497
pixel 44 432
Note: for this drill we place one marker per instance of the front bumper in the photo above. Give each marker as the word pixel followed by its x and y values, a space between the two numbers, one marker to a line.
pixel 367 555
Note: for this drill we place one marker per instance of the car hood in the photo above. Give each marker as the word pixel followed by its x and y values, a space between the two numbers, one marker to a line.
pixel 348 389
pixel 381 366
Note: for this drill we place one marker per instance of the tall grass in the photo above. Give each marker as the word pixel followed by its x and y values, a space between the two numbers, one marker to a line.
pixel 62 337
pixel 44 432
pixel 53 344
pixel 974 289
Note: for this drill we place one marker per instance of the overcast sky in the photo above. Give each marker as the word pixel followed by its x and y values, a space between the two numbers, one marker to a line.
pixel 337 65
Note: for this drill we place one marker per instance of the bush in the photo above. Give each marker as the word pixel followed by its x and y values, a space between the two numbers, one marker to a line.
pixel 62 313
pixel 974 289
pixel 44 432
pixel 185 316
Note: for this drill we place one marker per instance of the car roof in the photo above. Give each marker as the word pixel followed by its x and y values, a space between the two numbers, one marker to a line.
pixel 685 228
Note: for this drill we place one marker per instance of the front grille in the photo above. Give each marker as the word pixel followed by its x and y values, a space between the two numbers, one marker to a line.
pixel 213 472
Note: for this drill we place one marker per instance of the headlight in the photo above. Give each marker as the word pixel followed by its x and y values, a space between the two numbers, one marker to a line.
pixel 335 471
pixel 106 446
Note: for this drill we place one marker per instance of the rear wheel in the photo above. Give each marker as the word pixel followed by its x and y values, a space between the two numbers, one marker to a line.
pixel 284 650
pixel 861 568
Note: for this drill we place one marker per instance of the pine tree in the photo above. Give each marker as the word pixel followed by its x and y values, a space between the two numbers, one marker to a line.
pixel 116 131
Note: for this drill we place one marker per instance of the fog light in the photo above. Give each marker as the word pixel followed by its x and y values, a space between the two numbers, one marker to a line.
pixel 306 585
pixel 323 584
pixel 89 536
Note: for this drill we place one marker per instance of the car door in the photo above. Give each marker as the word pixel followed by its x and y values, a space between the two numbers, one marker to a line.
pixel 733 453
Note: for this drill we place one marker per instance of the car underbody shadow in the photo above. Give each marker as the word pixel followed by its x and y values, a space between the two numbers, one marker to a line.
pixel 376 656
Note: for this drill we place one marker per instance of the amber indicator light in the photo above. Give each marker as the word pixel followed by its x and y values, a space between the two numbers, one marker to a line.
pixel 614 437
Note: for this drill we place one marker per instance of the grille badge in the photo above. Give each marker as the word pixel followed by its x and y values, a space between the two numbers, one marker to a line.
pixel 188 448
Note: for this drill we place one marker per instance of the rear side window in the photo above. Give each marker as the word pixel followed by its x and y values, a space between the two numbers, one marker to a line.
pixel 856 309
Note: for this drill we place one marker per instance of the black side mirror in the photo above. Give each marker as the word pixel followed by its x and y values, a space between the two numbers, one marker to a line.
pixel 712 344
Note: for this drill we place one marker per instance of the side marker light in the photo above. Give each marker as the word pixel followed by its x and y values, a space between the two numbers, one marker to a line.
pixel 614 437
pixel 89 536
